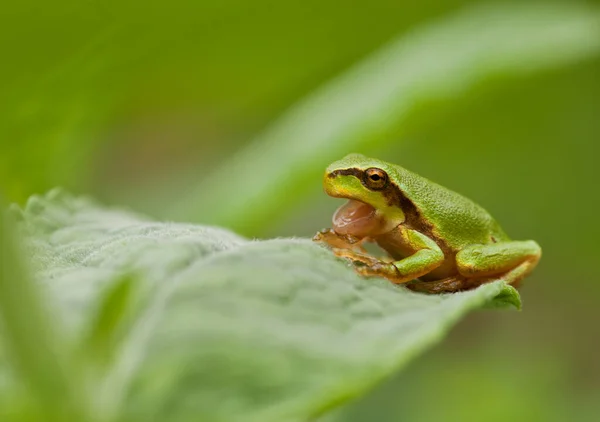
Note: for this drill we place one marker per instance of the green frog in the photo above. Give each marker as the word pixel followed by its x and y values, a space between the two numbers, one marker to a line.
pixel 437 239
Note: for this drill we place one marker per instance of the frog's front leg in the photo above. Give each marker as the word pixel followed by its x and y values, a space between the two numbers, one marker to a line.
pixel 511 260
pixel 428 256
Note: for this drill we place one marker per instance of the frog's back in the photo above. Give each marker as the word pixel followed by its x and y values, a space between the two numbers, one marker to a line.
pixel 449 215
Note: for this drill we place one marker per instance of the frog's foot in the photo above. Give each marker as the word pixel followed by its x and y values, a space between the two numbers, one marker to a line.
pixel 360 259
pixel 339 241
pixel 367 265
pixel 379 268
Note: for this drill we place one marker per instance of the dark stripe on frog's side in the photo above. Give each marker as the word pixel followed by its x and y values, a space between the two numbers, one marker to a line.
pixel 396 197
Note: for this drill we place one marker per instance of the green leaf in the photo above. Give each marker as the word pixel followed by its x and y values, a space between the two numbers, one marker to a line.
pixel 232 329
pixel 33 339
pixel 362 107
pixel 109 324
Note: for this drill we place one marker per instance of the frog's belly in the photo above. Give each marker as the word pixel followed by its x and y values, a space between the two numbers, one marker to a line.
pixel 398 249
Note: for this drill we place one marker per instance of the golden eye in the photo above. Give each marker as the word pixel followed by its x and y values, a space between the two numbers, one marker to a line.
pixel 375 178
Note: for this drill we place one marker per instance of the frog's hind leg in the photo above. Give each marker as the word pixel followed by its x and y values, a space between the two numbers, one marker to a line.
pixel 479 264
pixel 447 285
pixel 510 261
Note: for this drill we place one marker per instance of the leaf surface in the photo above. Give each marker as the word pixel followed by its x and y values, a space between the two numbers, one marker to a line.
pixel 230 329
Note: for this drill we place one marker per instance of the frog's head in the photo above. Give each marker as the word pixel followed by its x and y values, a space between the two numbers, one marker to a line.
pixel 369 184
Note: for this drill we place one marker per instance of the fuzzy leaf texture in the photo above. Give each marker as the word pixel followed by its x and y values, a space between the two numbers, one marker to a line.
pixel 201 324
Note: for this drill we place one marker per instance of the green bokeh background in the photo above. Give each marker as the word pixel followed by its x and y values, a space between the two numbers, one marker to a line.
pixel 136 102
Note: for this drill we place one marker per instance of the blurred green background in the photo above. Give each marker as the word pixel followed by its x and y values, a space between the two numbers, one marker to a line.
pixel 160 107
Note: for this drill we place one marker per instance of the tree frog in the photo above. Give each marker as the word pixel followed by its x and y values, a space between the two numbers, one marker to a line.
pixel 436 238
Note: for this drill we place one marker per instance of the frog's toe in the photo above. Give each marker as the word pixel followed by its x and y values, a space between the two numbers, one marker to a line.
pixel 355 256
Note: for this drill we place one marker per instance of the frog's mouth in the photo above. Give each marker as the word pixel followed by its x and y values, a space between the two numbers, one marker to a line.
pixel 356 218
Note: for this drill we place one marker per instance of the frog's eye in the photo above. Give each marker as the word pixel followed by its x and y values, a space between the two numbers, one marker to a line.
pixel 375 178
